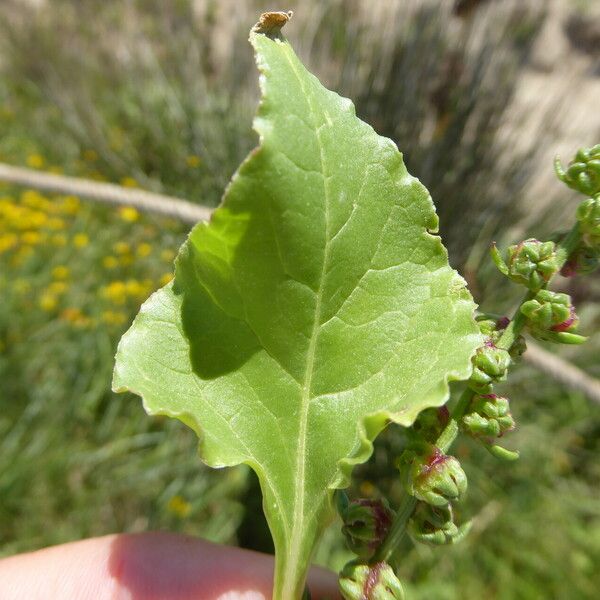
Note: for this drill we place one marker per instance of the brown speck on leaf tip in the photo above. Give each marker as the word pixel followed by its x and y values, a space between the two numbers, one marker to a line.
pixel 270 23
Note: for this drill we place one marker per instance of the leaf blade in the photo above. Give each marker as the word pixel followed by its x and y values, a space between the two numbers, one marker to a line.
pixel 308 313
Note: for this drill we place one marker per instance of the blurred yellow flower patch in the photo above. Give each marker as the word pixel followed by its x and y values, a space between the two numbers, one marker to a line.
pixel 144 249
pixel 115 291
pixel 60 272
pixel 121 248
pixel 48 302
pixel 34 199
pixel 80 240
pixel 8 241
pixel 55 224
pixel 129 182
pixel 35 161
pixel 167 255
pixel 70 205
pixel 74 316
pixel 57 288
pixel 193 161
pixel 179 506
pixel 129 214
pixel 110 262
pixel 31 237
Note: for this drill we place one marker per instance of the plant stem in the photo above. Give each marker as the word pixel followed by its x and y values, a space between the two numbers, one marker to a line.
pixel 568 244
pixel 397 531
pixel 514 328
pixel 407 507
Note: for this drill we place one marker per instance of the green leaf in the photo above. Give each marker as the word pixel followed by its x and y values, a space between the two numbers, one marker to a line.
pixel 314 308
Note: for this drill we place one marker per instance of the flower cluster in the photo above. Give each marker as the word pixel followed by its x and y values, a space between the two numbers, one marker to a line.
pixel 56 263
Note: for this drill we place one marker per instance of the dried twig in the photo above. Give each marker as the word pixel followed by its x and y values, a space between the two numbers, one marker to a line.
pixel 106 192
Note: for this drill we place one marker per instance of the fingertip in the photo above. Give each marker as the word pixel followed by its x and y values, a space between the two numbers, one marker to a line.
pixel 147 566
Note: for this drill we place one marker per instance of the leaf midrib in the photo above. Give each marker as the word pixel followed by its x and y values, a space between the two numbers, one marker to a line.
pixel 298 522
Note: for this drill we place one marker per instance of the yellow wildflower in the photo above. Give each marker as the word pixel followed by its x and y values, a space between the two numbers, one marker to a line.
pixel 33 199
pixel 164 279
pixel 167 255
pixel 121 248
pixel 144 249
pixel 76 317
pixel 70 205
pixel 60 272
pixel 37 219
pixel 7 242
pixel 6 204
pixel 134 288
pixel 71 314
pixel 110 262
pixel 129 182
pixel 193 161
pixel 48 302
pixel 115 291
pixel 31 237
pixel 55 224
pixel 179 507
pixel 57 287
pixel 80 240
pixel 35 161
pixel 129 214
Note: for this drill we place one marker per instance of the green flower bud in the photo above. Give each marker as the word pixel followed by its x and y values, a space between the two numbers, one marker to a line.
pixel 490 365
pixel 488 417
pixel 434 477
pixel 361 581
pixel 588 215
pixel 551 317
pixel 531 263
pixel 434 525
pixel 583 172
pixel 366 523
pixel 493 328
pixel 488 327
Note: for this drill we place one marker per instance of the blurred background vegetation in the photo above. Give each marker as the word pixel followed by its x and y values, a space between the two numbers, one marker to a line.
pixel 478 95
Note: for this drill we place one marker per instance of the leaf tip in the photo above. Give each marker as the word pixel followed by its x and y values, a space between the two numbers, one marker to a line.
pixel 271 23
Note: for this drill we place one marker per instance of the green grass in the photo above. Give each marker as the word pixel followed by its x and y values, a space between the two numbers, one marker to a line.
pixel 77 460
